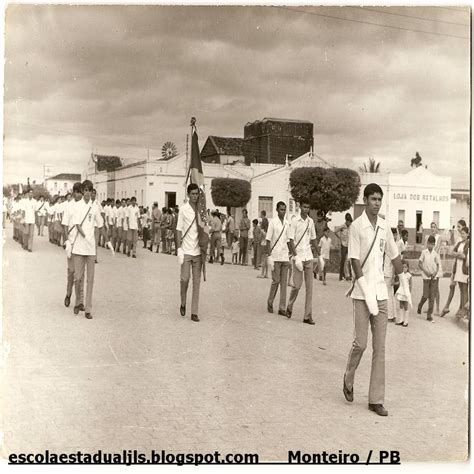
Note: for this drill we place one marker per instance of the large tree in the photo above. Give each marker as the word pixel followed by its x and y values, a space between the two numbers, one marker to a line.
pixel 229 192
pixel 326 189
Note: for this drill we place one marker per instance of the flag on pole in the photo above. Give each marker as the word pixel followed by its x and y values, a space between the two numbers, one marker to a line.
pixel 197 177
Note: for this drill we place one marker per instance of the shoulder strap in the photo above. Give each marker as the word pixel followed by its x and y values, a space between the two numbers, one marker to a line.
pixel 187 230
pixel 351 289
pixel 302 235
pixel 75 238
pixel 40 207
pixel 284 225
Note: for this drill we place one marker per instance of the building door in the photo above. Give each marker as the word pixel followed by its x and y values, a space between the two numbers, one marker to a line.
pixel 419 227
pixel 170 199
pixel 265 203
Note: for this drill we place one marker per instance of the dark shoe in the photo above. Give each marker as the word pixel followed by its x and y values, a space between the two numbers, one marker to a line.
pixel 309 321
pixel 81 307
pixel 88 315
pixel 128 254
pixel 67 301
pixel 182 310
pixel 444 312
pixel 405 325
pixel 151 249
pixel 282 313
pixel 430 319
pixel 419 310
pixel 399 324
pixel 30 250
pixel 378 408
pixel 76 309
pixel 348 394
pixel 134 256
pixel 194 317
pixel 211 260
pixel 391 320
pixel 288 313
pixel 157 250
pixel 269 308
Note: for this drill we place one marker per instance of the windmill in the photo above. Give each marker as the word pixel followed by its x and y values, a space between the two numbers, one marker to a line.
pixel 168 150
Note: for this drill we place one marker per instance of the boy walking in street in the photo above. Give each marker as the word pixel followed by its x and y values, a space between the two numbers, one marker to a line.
pixel 133 224
pixel 86 218
pixel 429 264
pixel 325 250
pixel 189 251
pixel 277 240
pixel 302 237
pixel 370 238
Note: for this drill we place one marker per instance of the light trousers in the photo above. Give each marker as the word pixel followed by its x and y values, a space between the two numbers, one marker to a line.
pixel 82 264
pixel 378 326
pixel 279 278
pixel 297 282
pixel 70 279
pixel 29 231
pixel 193 262
pixel 391 298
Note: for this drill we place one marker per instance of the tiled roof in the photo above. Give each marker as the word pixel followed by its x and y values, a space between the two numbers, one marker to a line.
pixel 66 177
pixel 227 145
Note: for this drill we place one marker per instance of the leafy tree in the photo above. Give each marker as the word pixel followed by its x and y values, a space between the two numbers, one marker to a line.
pixel 416 162
pixel 372 168
pixel 326 189
pixel 229 192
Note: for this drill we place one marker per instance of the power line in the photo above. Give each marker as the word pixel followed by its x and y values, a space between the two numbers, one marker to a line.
pixel 369 23
pixel 408 16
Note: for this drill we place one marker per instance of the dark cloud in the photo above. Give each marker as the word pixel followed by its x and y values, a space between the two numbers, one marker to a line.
pixel 102 76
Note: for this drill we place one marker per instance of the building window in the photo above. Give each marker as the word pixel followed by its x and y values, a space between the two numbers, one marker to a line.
pixel 401 215
pixel 436 217
pixel 265 203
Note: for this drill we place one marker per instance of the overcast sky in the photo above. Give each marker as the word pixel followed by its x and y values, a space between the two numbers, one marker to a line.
pixel 120 80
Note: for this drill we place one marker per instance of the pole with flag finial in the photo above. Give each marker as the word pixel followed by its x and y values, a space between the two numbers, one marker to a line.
pixel 197 177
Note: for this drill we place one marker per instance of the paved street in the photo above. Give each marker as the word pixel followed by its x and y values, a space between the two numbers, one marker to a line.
pixel 138 376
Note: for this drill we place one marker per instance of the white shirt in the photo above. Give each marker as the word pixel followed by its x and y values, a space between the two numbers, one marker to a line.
pixel 110 214
pixel 280 248
pixel 29 207
pixel 303 228
pixel 89 215
pixel 402 246
pixel 361 236
pixel 190 243
pixel 68 215
pixel 133 216
pixel 325 245
pixel 41 208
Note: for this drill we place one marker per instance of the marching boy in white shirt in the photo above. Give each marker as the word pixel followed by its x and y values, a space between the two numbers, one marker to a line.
pixel 302 236
pixel 133 223
pixel 86 217
pixel 277 240
pixel 369 238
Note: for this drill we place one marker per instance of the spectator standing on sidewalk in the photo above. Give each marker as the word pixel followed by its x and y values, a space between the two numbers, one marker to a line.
pixel 429 264
pixel 244 227
pixel 342 232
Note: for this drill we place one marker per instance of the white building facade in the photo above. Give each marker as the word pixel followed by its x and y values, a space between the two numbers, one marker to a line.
pixel 417 197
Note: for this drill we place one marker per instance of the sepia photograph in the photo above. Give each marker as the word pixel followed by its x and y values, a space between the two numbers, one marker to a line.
pixel 236 234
